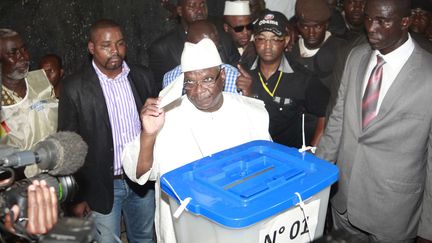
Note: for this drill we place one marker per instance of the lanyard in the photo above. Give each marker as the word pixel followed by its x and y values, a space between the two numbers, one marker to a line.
pixel 265 86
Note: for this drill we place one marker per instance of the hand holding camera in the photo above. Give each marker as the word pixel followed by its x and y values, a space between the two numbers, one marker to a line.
pixel 42 209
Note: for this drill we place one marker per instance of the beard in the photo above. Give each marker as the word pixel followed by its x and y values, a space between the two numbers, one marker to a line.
pixel 17 74
pixel 110 65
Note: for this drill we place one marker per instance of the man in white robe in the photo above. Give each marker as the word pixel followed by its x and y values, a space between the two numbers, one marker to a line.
pixel 202 122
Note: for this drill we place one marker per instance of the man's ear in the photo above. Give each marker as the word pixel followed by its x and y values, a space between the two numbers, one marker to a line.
pixel 61 73
pixel 90 47
pixel 287 41
pixel 179 11
pixel 406 22
pixel 225 26
pixel 223 76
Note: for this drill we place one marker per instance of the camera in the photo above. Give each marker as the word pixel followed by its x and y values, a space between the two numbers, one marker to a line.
pixel 59 155
pixel 65 187
pixel 67 230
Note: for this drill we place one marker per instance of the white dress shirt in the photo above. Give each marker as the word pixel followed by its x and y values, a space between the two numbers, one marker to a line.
pixel 394 62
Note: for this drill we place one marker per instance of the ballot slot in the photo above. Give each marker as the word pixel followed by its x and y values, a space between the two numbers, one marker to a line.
pixel 248 173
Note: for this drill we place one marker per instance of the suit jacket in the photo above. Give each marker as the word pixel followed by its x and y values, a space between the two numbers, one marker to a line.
pixel 165 52
pixel 383 166
pixel 82 109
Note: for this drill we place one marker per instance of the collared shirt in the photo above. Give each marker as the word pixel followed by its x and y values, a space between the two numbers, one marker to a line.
pixel 284 66
pixel 231 74
pixel 291 91
pixel 394 62
pixel 122 111
pixel 240 50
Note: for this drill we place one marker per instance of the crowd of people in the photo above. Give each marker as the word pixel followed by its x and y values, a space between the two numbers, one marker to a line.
pixel 351 78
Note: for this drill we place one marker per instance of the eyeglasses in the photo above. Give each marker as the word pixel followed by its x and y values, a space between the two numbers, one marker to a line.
pixel 273 40
pixel 206 82
pixel 240 28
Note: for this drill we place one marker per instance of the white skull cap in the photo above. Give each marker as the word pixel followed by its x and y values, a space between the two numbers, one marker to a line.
pixel 237 8
pixel 199 56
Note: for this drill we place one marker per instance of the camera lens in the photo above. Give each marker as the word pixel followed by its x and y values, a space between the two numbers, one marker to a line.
pixel 69 188
pixel 65 186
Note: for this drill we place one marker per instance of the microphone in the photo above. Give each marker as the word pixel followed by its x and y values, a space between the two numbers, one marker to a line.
pixel 51 154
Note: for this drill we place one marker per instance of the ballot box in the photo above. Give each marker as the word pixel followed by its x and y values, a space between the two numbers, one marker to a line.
pixel 259 192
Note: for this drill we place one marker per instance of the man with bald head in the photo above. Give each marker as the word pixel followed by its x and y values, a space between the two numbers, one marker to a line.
pixel 203 122
pixel 235 81
pixel 379 132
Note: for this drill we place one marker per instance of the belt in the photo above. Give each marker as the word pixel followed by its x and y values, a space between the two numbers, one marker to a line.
pixel 119 177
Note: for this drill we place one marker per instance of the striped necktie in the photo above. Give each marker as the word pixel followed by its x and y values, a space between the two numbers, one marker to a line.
pixel 371 94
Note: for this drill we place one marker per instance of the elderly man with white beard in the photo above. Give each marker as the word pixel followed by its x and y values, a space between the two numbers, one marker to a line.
pixel 29 109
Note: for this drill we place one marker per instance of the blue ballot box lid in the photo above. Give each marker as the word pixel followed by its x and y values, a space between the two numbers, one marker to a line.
pixel 243 185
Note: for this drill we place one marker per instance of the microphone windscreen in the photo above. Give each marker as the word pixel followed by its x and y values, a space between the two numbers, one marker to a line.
pixel 66 153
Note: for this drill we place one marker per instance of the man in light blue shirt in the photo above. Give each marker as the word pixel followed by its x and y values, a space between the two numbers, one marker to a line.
pixel 237 81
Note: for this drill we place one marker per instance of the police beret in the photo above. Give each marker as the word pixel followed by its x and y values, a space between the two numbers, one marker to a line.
pixel 312 10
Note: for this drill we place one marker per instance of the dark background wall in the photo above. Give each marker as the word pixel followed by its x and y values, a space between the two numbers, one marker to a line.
pixel 62 26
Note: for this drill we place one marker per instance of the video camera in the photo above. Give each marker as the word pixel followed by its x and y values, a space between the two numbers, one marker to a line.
pixel 50 156
pixel 65 187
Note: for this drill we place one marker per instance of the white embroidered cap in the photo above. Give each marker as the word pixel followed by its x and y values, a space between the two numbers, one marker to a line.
pixel 237 8
pixel 199 56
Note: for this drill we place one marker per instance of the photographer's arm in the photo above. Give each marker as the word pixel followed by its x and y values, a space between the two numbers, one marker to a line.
pixel 42 209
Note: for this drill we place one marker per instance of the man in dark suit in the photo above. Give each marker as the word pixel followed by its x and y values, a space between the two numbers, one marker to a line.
pixel 101 104
pixel 165 51
pixel 379 132
pixel 354 34
pixel 353 13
